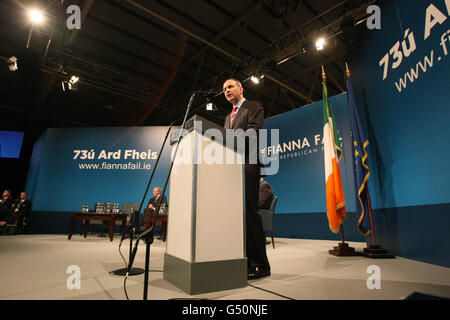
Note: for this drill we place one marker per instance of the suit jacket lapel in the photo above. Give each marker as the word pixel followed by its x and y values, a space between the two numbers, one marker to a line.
pixel 227 121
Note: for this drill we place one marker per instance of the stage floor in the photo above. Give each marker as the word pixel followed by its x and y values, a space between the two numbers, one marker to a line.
pixel 35 266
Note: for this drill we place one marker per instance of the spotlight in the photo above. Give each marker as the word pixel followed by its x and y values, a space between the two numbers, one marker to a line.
pixel 35 16
pixel 256 78
pixel 320 44
pixel 12 63
pixel 210 106
pixel 74 79
pixel 71 85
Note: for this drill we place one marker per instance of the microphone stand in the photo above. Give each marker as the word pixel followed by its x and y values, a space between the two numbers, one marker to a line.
pixel 148 234
pixel 124 271
pixel 136 271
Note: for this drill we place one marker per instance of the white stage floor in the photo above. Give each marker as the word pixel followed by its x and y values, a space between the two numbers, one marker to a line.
pixel 34 267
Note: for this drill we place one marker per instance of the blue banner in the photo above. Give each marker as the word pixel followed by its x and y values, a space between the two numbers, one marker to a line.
pixel 85 166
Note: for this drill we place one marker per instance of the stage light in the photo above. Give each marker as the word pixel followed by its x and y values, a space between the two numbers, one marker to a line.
pixel 320 44
pixel 256 78
pixel 210 106
pixel 12 63
pixel 71 85
pixel 74 79
pixel 35 16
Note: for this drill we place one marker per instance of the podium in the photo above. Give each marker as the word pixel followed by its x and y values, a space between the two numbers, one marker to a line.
pixel 205 247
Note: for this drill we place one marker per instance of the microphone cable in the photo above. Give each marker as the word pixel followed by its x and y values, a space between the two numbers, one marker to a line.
pixel 272 292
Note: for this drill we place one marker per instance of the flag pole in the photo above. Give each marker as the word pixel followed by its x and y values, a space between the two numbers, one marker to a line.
pixel 374 242
pixel 342 233
pixel 367 187
pixel 374 250
pixel 343 249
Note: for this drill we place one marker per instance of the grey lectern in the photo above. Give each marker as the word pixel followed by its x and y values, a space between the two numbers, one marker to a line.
pixel 206 228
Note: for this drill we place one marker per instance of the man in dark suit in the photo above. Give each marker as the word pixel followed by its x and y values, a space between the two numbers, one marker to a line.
pixel 248 115
pixel 265 194
pixel 151 209
pixel 6 201
pixel 22 209
pixel 6 204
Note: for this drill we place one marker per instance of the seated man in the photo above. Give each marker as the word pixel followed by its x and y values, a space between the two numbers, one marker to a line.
pixel 265 194
pixel 22 210
pixel 151 209
pixel 6 212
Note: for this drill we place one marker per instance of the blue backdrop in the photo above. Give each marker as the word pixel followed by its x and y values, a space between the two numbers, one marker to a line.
pixel 72 167
pixel 402 91
pixel 403 104
pixel 300 182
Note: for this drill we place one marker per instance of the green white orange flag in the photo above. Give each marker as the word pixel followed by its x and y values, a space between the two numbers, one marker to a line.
pixel 332 152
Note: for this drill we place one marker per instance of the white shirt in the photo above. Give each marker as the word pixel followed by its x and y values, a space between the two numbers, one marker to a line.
pixel 239 104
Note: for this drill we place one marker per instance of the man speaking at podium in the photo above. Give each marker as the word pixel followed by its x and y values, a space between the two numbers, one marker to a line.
pixel 249 115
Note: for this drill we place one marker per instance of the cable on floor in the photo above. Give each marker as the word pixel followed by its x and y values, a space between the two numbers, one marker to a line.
pixel 272 292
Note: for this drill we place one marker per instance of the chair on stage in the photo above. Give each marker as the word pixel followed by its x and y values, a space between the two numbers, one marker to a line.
pixel 11 227
pixel 267 218
pixel 132 209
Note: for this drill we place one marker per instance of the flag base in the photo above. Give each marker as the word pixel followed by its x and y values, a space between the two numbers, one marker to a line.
pixel 343 250
pixel 377 252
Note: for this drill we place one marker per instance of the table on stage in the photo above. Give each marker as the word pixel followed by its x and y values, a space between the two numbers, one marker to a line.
pixel 111 217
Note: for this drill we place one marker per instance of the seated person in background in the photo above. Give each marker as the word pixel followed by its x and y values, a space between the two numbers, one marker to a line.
pixel 151 208
pixel 22 209
pixel 265 194
pixel 6 201
pixel 6 204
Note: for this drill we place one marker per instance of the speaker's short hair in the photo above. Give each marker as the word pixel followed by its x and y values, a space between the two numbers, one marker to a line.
pixel 235 80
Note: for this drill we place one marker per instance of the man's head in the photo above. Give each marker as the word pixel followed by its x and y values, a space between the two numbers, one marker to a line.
pixel 23 195
pixel 156 191
pixel 6 193
pixel 233 90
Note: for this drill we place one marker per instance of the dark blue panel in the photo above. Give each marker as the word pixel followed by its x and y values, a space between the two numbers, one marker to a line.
pixel 416 232
pixel 314 226
pixel 11 143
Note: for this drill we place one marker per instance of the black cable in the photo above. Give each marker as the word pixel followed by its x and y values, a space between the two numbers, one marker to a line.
pixel 125 286
pixel 126 264
pixel 125 282
pixel 277 294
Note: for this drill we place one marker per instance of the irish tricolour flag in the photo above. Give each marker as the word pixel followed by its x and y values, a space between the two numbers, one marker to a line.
pixel 332 152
